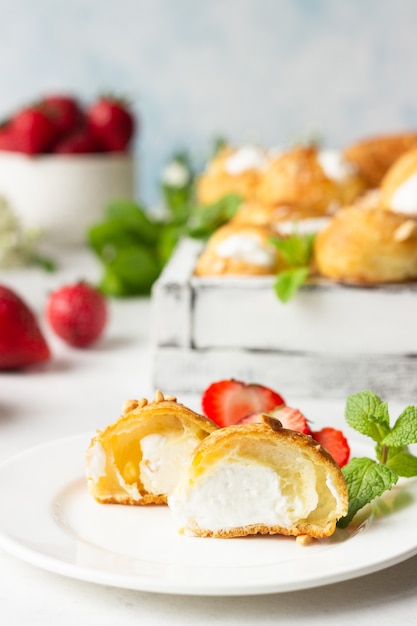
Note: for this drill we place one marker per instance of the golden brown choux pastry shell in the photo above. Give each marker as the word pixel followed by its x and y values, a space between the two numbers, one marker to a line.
pixel 372 246
pixel 297 179
pixel 115 455
pixel 258 213
pixel 239 249
pixel 217 182
pixel 374 156
pixel 299 463
pixel 402 172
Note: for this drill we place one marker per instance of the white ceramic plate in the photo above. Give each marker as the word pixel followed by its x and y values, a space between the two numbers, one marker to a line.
pixel 49 519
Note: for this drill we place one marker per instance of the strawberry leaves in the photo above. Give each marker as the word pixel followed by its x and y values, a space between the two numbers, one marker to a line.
pixel 366 478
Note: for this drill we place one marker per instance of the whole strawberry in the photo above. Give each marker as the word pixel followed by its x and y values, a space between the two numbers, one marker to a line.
pixel 77 313
pixel 64 111
pixel 112 124
pixel 21 340
pixel 81 141
pixel 32 131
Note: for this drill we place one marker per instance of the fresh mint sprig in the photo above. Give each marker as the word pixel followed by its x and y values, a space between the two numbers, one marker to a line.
pixel 366 478
pixel 297 252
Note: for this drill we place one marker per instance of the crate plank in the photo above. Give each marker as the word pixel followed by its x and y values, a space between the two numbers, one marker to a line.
pixel 296 375
pixel 329 341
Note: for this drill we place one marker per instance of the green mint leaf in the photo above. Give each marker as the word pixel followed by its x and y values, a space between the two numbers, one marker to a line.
pixel 132 271
pixel 204 220
pixel 365 480
pixel 296 250
pixel 132 218
pixel 288 282
pixel 366 413
pixel 45 263
pixel 402 462
pixel 404 431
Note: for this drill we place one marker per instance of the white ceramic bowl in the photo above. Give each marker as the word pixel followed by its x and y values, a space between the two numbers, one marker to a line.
pixel 63 195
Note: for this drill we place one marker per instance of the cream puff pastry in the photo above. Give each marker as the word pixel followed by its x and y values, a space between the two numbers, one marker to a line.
pixel 314 182
pixel 138 459
pixel 232 170
pixel 373 156
pixel 371 246
pixel 272 216
pixel 239 249
pixel 259 478
pixel 399 185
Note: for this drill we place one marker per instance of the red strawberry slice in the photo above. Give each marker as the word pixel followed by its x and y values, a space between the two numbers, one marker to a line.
pixel 335 442
pixel 21 341
pixel 290 418
pixel 227 401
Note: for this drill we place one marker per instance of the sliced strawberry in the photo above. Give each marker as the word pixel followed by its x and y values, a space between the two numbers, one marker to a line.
pixel 291 418
pixel 252 418
pixel 227 401
pixel 335 442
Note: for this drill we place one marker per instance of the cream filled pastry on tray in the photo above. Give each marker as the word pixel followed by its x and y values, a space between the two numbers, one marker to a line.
pixel 313 181
pixel 232 170
pixel 259 478
pixel 283 219
pixel 399 186
pixel 374 156
pixel 239 249
pixel 138 458
pixel 367 246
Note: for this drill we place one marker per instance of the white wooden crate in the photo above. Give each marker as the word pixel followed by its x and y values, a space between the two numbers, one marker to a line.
pixel 330 340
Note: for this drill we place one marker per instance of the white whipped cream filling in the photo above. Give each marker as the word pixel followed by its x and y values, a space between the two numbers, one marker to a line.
pixel 245 158
pixel 241 494
pixel 247 249
pixel 404 200
pixel 163 458
pixel 335 166
pixel 96 462
pixel 306 226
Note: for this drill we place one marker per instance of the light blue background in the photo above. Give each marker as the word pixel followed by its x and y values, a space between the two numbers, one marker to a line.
pixel 265 70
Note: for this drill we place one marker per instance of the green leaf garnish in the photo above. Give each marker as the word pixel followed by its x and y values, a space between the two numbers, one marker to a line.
pixel 366 413
pixel 204 220
pixel 404 431
pixel 296 249
pixel 297 252
pixel 288 282
pixel 367 479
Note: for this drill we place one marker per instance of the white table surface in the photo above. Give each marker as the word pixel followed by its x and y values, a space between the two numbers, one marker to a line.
pixel 80 390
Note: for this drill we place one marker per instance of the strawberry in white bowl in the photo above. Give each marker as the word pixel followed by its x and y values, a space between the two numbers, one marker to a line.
pixel 62 162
